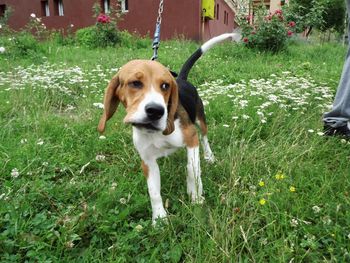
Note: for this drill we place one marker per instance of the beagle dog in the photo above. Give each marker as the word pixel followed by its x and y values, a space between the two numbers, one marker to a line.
pixel 163 112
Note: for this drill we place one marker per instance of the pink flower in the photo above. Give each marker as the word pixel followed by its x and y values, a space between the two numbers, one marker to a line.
pixel 291 24
pixel 289 33
pixel 245 40
pixel 102 18
pixel 278 12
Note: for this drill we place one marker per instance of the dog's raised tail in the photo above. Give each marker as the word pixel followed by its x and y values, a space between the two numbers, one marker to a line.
pixel 204 48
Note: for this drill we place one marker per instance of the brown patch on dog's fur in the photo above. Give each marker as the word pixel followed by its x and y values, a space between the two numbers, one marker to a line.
pixel 145 169
pixel 189 130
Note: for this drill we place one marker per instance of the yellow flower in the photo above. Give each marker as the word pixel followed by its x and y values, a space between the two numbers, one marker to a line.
pixel 261 183
pixel 292 189
pixel 280 175
pixel 262 201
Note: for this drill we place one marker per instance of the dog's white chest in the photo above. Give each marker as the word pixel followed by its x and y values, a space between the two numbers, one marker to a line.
pixel 155 144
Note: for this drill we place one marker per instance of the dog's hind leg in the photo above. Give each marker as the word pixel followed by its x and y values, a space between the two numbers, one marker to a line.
pixel 208 154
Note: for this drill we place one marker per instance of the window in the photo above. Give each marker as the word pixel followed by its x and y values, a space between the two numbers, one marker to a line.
pixel 217 11
pixel 45 10
pixel 106 7
pixel 124 5
pixel 58 7
pixel 2 10
pixel 225 17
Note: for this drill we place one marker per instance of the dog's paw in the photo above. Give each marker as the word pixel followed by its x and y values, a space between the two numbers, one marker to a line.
pixel 159 217
pixel 159 221
pixel 198 200
pixel 209 158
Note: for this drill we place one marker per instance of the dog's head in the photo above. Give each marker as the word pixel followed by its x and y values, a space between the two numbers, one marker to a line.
pixel 149 94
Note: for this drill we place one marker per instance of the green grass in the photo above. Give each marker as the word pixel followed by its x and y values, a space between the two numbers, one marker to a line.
pixel 55 211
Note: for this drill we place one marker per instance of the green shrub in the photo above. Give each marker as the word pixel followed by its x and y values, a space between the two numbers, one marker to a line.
pixel 21 44
pixel 86 36
pixel 268 32
pixel 103 34
pixel 133 41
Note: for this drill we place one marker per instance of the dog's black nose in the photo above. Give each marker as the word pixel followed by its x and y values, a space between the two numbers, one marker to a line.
pixel 154 111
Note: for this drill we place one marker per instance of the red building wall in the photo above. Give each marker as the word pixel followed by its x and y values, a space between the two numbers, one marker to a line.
pixel 181 18
pixel 75 12
pixel 219 24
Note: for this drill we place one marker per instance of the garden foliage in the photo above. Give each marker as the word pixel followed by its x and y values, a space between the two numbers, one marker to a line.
pixel 266 31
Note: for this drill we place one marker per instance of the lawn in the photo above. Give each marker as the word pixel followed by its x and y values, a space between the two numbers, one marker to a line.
pixel 278 191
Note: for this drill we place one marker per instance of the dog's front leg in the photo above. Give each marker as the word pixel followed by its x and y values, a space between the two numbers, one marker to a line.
pixel 194 181
pixel 151 171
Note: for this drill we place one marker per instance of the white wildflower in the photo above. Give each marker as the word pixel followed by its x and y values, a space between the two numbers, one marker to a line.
pixel 23 141
pixel 45 164
pixel 245 117
pixel 138 228
pixel 33 15
pixel 226 125
pixel 102 137
pixel 100 158
pixel 316 209
pixel 311 131
pixel 2 50
pixel 2 196
pixel 294 222
pixel 98 105
pixel 320 133
pixel 14 173
pixel 40 142
pixel 122 201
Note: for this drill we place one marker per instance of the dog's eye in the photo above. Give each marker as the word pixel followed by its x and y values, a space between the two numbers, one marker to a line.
pixel 136 84
pixel 165 86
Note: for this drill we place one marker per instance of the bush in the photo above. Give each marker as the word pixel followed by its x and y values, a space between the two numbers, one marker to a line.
pixel 269 32
pixel 133 41
pixel 103 34
pixel 86 36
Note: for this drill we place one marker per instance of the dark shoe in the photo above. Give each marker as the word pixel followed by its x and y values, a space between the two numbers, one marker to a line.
pixel 342 131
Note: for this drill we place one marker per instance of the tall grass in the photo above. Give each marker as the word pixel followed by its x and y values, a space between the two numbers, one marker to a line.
pixel 278 192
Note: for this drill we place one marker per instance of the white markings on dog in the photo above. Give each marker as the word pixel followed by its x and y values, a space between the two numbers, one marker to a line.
pixel 194 181
pixel 208 154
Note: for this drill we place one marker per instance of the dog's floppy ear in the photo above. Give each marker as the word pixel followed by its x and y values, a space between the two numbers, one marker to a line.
pixel 172 108
pixel 111 102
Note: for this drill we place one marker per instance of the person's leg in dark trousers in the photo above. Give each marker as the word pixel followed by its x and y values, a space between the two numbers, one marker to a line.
pixel 337 121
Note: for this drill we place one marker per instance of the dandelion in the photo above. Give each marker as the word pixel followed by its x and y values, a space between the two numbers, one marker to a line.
pixel 261 183
pixel 316 209
pixel 292 189
pixel 100 158
pixel 138 228
pixel 279 175
pixel 294 222
pixel 2 50
pixel 14 173
pixel 262 201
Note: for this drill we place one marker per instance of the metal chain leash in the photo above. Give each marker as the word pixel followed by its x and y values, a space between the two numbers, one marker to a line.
pixel 156 38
